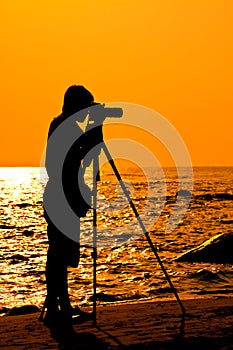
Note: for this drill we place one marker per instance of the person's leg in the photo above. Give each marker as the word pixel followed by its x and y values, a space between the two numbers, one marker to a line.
pixel 52 273
pixel 70 257
pixel 62 252
pixel 57 300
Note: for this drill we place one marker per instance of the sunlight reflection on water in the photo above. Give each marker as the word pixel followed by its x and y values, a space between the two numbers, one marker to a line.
pixel 126 271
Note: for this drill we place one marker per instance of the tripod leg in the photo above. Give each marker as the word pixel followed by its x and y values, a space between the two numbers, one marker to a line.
pixel 94 256
pixel 94 253
pixel 111 162
pixel 41 317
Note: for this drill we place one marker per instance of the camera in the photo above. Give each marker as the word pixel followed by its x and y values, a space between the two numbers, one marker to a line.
pixel 98 112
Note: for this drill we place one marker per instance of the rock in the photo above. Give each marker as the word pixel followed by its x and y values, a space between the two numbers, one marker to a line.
pixel 218 249
pixel 184 193
pixel 3 310
pixel 146 275
pixel 23 205
pixel 17 258
pixel 104 297
pixel 28 233
pixel 22 310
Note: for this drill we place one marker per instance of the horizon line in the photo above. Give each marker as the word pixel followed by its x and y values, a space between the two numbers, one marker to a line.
pixel 145 165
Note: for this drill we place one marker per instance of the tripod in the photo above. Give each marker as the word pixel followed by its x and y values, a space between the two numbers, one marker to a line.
pixel 94 254
pixel 145 232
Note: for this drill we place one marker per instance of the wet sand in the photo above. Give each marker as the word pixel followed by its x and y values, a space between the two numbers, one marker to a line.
pixel 208 324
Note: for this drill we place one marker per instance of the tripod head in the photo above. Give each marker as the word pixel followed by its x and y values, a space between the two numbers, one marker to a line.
pixel 97 113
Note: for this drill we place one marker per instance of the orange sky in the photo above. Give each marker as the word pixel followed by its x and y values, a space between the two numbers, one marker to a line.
pixel 174 56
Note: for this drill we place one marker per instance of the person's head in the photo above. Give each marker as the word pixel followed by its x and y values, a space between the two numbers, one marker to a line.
pixel 76 97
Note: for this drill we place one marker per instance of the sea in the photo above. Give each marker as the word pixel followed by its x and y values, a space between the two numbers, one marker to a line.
pixel 127 268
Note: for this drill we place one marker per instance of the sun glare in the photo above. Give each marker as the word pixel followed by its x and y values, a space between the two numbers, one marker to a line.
pixel 15 174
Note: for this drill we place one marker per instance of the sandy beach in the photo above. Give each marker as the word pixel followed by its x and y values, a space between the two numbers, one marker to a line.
pixel 208 324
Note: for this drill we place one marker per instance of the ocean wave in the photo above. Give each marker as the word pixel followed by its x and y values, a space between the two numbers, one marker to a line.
pixel 207 275
pixel 205 196
pixel 161 290
pixel 211 196
pixel 105 297
pixel 215 291
pixel 8 227
pixel 13 227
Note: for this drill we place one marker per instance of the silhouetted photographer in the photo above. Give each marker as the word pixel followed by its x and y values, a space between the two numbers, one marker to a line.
pixel 63 251
pixel 67 145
